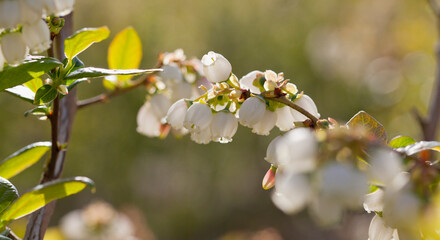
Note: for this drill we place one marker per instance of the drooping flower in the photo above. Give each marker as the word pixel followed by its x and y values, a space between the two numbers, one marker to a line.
pixel 160 105
pixel 203 136
pixel 14 48
pixel 28 15
pixel 307 104
pixel 223 127
pixel 251 111
pixel 198 117
pixel 378 229
pixel 9 13
pixel 176 114
pixel 216 68
pixel 247 82
pixel 285 120
pixel 147 122
pixel 385 165
pixel 37 36
pixel 266 123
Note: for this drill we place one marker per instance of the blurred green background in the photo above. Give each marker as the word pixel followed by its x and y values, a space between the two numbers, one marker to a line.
pixel 348 55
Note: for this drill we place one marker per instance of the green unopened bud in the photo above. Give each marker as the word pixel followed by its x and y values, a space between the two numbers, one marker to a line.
pixel 63 89
pixel 55 24
pixel 269 178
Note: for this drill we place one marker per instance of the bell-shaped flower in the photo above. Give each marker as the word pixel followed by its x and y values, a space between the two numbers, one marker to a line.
pixel 216 68
pixel 266 123
pixel 171 74
pixel 247 82
pixel 160 105
pixel 385 165
pixel 29 15
pixel 223 127
pixel 373 202
pixel 298 150
pixel 198 117
pixel 203 136
pixel 307 104
pixel 271 152
pixel 378 230
pixel 285 120
pixel 14 48
pixel 292 191
pixel 9 13
pixel 176 114
pixel 148 124
pixel 251 111
pixel 58 7
pixel 37 36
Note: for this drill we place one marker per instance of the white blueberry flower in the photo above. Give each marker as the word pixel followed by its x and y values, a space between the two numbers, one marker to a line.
pixel 171 74
pixel 251 111
pixel 271 152
pixel 292 191
pixel 378 229
pixel 37 36
pixel 29 15
pixel 198 117
pixel 203 136
pixel 176 114
pixel 160 105
pixel 247 82
pixel 216 68
pixel 223 127
pixel 285 120
pixel 181 90
pixel 307 104
pixel 266 123
pixel 272 80
pixel 373 202
pixel 9 13
pixel 14 48
pixel 58 7
pixel 148 124
pixel 385 165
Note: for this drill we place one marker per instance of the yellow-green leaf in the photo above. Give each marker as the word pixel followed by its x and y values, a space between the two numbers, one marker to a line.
pixel 23 158
pixel 43 194
pixel 34 84
pixel 125 51
pixel 365 120
pixel 83 39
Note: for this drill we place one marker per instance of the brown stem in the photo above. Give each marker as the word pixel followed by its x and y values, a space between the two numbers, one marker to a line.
pixel 289 103
pixel 61 121
pixel 102 98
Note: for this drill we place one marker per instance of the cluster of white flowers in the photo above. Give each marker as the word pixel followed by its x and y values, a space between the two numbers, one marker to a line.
pixel 98 221
pixel 399 207
pixel 22 28
pixel 301 180
pixel 227 101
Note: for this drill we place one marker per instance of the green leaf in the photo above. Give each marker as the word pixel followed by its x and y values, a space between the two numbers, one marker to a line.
pixel 125 51
pixel 28 70
pixel 419 146
pixel 23 158
pixel 44 194
pixel 83 39
pixel 22 92
pixel 45 94
pixel 34 84
pixel 92 72
pixel 8 194
pixel 38 111
pixel 365 120
pixel 401 141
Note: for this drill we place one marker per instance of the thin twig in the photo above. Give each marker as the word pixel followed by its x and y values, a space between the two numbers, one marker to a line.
pixel 104 97
pixel 289 103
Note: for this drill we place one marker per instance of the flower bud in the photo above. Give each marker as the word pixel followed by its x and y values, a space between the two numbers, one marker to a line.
pixel 37 36
pixel 307 103
pixel 266 123
pixel 269 178
pixel 216 68
pixel 14 48
pixel 9 13
pixel 176 114
pixel 198 117
pixel 251 111
pixel 223 127
pixel 63 89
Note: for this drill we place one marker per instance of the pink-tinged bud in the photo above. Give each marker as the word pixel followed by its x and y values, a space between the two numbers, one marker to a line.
pixel 63 89
pixel 269 178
